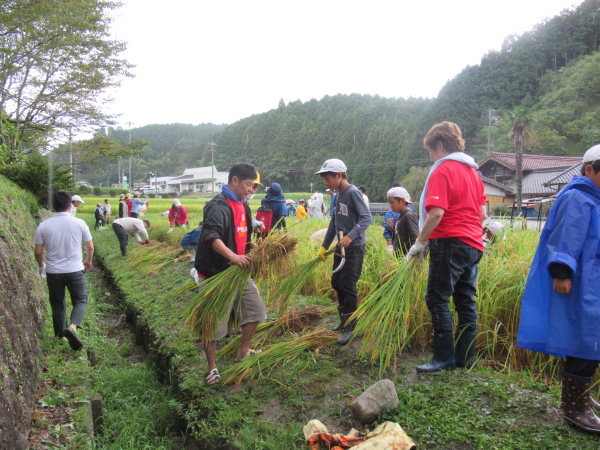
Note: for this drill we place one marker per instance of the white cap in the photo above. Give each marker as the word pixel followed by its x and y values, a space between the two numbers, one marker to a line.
pixel 333 165
pixel 495 227
pixel 176 202
pixel 77 198
pixel 592 154
pixel 399 192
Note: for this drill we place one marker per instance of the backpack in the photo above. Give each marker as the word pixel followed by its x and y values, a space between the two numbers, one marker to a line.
pixel 264 214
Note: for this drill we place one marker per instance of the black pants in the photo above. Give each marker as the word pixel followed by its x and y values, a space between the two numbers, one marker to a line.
pixel 123 237
pixel 452 273
pixel 77 285
pixel 580 366
pixel 134 215
pixel 344 281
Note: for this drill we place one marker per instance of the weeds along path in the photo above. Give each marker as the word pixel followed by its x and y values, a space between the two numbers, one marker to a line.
pixel 138 410
pixel 481 409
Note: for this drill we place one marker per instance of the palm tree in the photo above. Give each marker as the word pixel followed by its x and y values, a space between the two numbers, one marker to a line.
pixel 521 119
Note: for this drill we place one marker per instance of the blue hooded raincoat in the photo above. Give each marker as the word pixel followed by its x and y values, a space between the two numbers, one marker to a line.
pixel 559 324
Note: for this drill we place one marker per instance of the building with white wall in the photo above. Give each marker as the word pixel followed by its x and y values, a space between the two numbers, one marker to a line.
pixel 198 179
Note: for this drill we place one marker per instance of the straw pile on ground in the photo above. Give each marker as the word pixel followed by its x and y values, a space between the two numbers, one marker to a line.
pixel 291 322
pixel 277 355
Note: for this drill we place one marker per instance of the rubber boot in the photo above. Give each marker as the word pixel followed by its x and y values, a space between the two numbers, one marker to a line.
pixel 443 355
pixel 576 403
pixel 465 349
pixel 346 336
pixel 341 326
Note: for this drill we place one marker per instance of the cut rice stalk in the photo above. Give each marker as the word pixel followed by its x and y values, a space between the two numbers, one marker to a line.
pixel 266 332
pixel 189 286
pixel 383 317
pixel 277 355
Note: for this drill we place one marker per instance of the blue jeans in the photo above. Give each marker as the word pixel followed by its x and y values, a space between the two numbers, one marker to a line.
pixel 452 273
pixel 76 283
pixel 191 247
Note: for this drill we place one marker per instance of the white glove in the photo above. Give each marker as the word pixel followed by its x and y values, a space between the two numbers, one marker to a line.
pixel 418 250
pixel 184 226
pixel 390 249
pixel 42 271
pixel 257 224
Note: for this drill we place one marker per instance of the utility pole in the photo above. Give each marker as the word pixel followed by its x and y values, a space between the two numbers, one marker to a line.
pixel 70 151
pixel 212 151
pixel 129 180
pixel 490 112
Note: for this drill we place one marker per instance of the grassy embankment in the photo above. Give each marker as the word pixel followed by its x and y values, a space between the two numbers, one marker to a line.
pixel 500 404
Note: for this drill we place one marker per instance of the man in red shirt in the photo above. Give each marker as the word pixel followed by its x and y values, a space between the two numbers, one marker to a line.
pixel 225 240
pixel 452 210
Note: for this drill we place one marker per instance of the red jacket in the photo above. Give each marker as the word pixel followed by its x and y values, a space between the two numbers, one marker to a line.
pixel 181 219
pixel 128 202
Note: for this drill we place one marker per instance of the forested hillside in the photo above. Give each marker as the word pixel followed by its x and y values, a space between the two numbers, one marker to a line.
pixel 172 148
pixel 552 70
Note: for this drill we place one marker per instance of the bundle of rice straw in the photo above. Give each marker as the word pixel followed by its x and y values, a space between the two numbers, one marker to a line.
pixel 189 286
pixel 288 288
pixel 149 259
pixel 277 355
pixel 209 307
pixel 266 332
pixel 383 317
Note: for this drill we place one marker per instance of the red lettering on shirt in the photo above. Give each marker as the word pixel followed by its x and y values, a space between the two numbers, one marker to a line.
pixel 241 227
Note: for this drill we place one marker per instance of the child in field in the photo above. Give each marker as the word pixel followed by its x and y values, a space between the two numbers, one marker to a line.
pixel 406 230
pixel 560 313
pixel 99 216
pixel 301 211
pixel 352 217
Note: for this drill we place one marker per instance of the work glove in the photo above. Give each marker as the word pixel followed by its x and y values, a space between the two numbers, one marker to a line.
pixel 257 225
pixel 42 271
pixel 390 249
pixel 170 230
pixel 418 250
pixel 147 241
pixel 322 253
pixel 184 226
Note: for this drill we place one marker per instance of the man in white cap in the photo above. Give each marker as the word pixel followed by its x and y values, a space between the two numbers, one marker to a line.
pixel 559 312
pixel 352 217
pixel 76 200
pixel 406 230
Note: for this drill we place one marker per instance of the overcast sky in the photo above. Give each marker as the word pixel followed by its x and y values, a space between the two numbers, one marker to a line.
pixel 220 61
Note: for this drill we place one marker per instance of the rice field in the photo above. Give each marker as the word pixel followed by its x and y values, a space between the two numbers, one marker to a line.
pixel 388 283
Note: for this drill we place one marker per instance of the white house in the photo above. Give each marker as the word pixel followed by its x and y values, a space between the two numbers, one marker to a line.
pixel 160 184
pixel 198 179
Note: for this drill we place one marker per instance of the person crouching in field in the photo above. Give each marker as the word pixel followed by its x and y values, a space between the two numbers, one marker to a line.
pixel 561 304
pixel 225 240
pixel 178 216
pixel 451 214
pixel 129 225
pixel 352 217
pixel 406 230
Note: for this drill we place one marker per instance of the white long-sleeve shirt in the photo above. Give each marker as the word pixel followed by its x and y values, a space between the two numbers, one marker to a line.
pixel 133 226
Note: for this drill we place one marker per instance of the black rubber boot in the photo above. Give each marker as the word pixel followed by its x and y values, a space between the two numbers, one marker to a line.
pixel 443 355
pixel 465 349
pixel 341 326
pixel 576 403
pixel 346 336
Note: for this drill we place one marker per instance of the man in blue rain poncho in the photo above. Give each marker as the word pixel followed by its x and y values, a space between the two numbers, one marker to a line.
pixel 560 314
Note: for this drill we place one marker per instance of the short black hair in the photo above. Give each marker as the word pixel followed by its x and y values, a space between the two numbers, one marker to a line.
pixel 105 199
pixel 396 184
pixel 362 188
pixel 146 221
pixel 333 174
pixel 595 165
pixel 244 171
pixel 61 200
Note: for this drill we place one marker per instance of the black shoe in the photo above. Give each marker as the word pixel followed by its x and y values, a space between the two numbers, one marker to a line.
pixel 342 324
pixel 348 333
pixel 465 349
pixel 72 337
pixel 443 355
